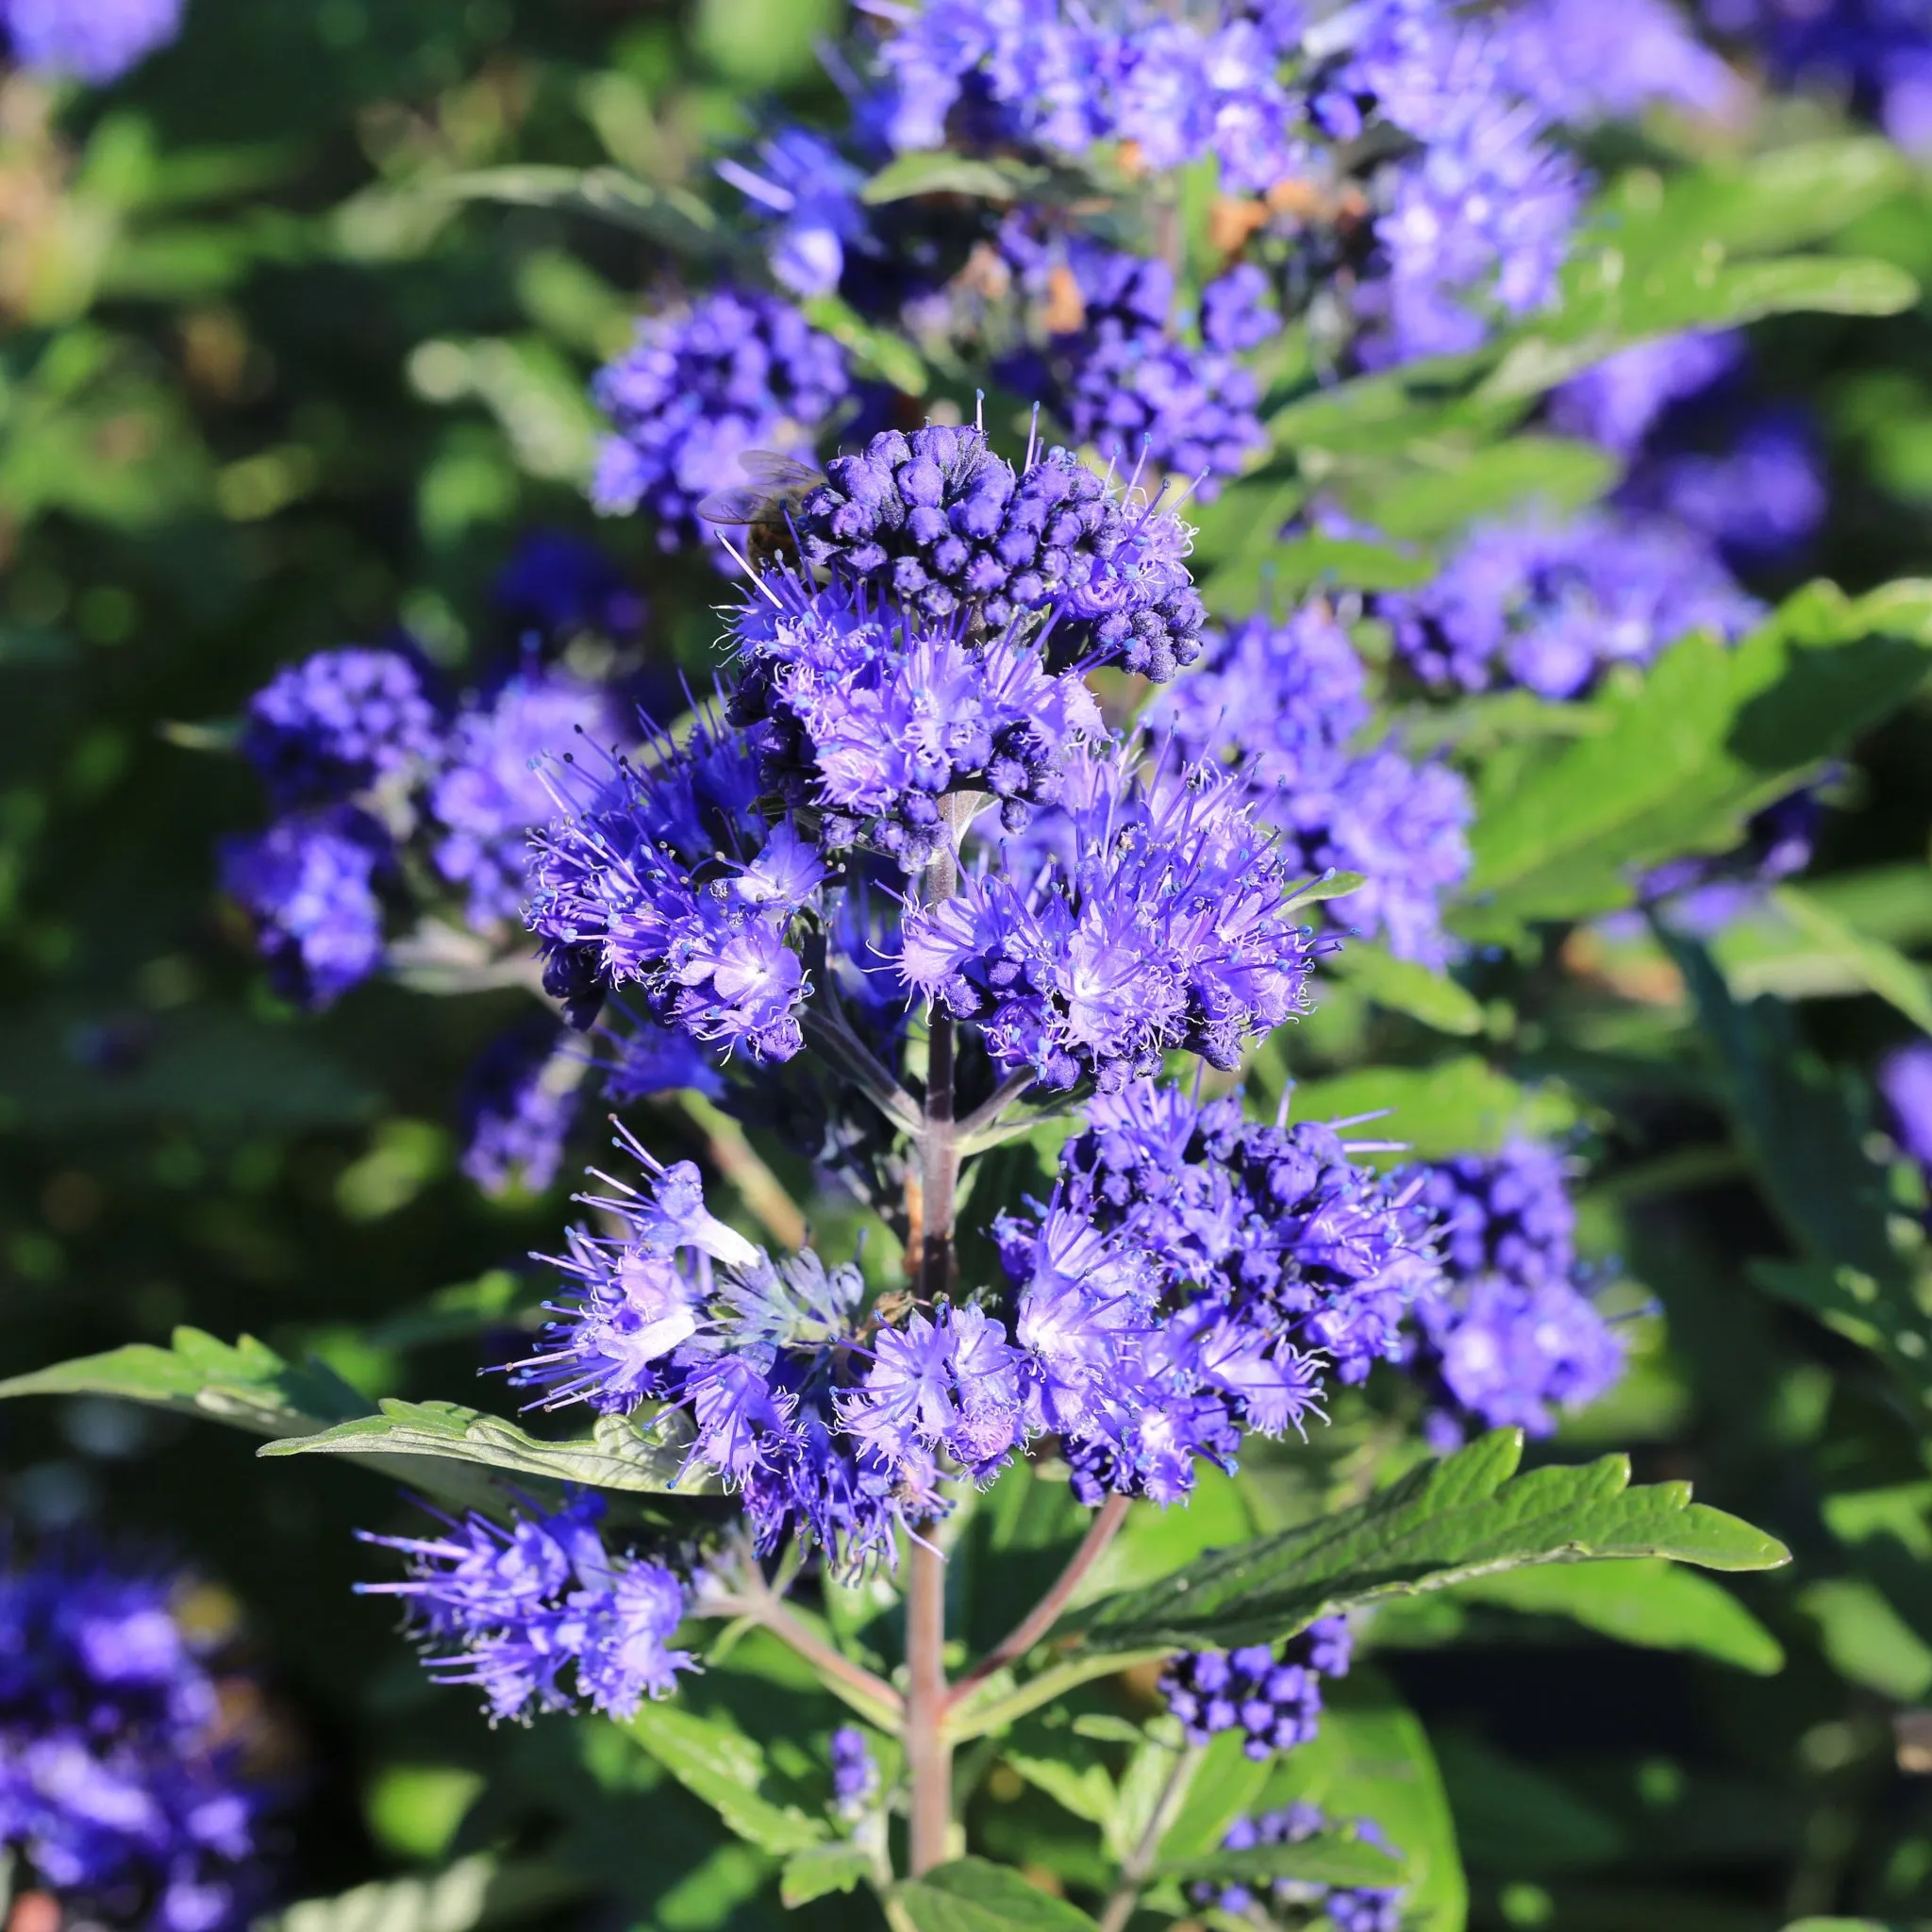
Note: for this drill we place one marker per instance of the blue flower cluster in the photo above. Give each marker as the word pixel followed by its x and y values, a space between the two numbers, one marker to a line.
pixel 94 41
pixel 1176 927
pixel 339 722
pixel 854 1773
pixel 539 1615
pixel 123 1788
pixel 519 1105
pixel 1286 703
pixel 1513 1335
pixel 1127 382
pixel 1551 605
pixel 1347 1908
pixel 737 371
pixel 945 525
pixel 1276 1701
pixel 1141 1344
pixel 1874 54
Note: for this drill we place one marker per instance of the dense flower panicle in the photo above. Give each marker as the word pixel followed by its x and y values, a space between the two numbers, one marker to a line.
pixel 1347 1908
pixel 869 719
pixel 1127 382
pixel 494 788
pixel 945 527
pixel 539 1616
pixel 1278 1224
pixel 1513 1336
pixel 1063 77
pixel 122 1785
pixel 1276 1701
pixel 309 884
pixel 737 372
pixel 1551 605
pixel 1580 62
pixel 640 888
pixel 337 723
pixel 1904 1079
pixel 519 1104
pixel 94 41
pixel 1875 55
pixel 1176 928
pixel 558 585
pixel 1281 701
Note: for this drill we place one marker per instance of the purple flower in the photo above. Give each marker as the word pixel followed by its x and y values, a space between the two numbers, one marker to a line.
pixel 539 1615
pixel 1616 402
pixel 519 1105
pixel 737 372
pixel 947 528
pixel 854 1773
pixel 1280 702
pixel 122 1787
pixel 1276 1700
pixel 337 724
pixel 810 191
pixel 1514 1335
pixel 1127 383
pixel 308 885
pixel 956 1383
pixel 94 41
pixel 869 720
pixel 494 788
pixel 1905 1078
pixel 1580 62
pixel 558 585
pixel 1551 605
pixel 1236 310
pixel 1176 930
pixel 1346 1909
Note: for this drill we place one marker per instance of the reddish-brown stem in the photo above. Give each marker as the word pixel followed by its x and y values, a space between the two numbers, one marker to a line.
pixel 1105 1525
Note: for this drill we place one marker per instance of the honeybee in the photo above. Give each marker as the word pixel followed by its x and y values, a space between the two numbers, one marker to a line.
pixel 765 506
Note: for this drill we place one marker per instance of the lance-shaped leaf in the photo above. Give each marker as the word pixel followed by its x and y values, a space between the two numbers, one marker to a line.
pixel 719 1764
pixel 971 1895
pixel 1407 986
pixel 637 1452
pixel 247 1384
pixel 1468 1516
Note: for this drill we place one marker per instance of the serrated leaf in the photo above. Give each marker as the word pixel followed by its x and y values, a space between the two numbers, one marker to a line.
pixel 971 1895
pixel 820 1870
pixel 1658 1605
pixel 1684 754
pixel 1333 1858
pixel 471 1893
pixel 1443 1523
pixel 727 1770
pixel 1407 986
pixel 621 1453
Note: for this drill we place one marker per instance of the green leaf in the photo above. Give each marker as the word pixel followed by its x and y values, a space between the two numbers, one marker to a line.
pixel 822 1869
pixel 1441 1523
pixel 471 1893
pixel 1371 1758
pixel 1337 885
pixel 875 352
pixel 1680 757
pixel 1882 969
pixel 1225 1786
pixel 1655 1604
pixel 1067 1767
pixel 1456 1106
pixel 248 1384
pixel 937 172
pixel 1407 986
pixel 635 1451
pixel 718 1763
pixel 971 1895
pixel 1432 497
pixel 1333 1858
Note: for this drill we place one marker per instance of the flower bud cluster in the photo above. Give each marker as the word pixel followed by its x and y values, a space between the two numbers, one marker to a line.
pixel 1275 1701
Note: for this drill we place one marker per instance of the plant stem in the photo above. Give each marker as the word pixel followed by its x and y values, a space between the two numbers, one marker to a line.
pixel 1045 1613
pixel 1140 1860
pixel 928 1749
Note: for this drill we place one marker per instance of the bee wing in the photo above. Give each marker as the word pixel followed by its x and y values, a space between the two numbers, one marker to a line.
pixel 740 505
pixel 775 471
